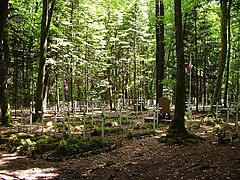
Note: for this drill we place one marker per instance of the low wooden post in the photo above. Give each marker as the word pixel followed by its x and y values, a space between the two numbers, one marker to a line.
pixel 236 116
pixel 217 111
pixel 92 112
pixel 21 128
pixel 40 112
pixel 103 118
pixel 157 111
pixel 228 113
pixel 136 110
pixel 84 124
pixel 127 112
pixel 154 118
pixel 55 119
pixel 120 116
pixel 73 115
pixel 68 118
pixel 31 121
pixel 64 116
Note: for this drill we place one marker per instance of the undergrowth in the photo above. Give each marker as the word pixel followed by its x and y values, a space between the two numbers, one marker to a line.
pixel 52 147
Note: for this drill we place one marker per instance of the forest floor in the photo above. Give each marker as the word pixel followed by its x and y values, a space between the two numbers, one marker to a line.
pixel 143 158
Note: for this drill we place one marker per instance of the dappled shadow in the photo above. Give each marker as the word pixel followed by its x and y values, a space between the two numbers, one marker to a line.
pixel 21 167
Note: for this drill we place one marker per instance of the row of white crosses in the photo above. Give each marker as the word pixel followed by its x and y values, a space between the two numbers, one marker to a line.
pixel 235 109
pixel 67 113
pixel 30 119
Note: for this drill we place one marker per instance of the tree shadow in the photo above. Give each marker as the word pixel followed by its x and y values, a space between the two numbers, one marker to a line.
pixel 13 166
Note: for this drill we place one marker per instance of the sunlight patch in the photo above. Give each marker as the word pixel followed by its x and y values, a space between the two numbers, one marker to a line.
pixel 33 173
pixel 5 158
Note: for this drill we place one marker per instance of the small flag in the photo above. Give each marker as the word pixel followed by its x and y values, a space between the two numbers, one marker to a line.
pixel 190 66
pixel 65 88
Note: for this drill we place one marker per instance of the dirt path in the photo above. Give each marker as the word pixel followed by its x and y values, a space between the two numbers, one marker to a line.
pixel 136 159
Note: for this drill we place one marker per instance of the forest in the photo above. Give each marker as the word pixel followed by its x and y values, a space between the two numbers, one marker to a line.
pixel 81 77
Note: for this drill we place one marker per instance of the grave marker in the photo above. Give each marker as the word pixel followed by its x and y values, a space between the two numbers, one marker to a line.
pixel 164 103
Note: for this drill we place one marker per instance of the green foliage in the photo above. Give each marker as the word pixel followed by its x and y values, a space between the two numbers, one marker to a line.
pixel 139 134
pixel 107 131
pixel 209 121
pixel 20 142
pixel 47 147
pixel 44 145
pixel 225 133
pixel 73 146
pixel 194 126
pixel 102 44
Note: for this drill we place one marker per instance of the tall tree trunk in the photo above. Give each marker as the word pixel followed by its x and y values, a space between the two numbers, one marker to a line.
pixel 15 81
pixel 222 58
pixel 229 54
pixel 196 59
pixel 178 123
pixel 71 69
pixel 110 89
pixel 48 6
pixel 204 83
pixel 159 49
pixel 46 87
pixel 4 63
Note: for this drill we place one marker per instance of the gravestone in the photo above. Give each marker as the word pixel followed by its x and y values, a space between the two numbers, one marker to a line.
pixel 164 103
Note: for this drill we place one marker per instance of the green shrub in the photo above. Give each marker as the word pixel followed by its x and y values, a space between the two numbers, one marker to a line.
pixel 209 121
pixel 139 134
pixel 194 126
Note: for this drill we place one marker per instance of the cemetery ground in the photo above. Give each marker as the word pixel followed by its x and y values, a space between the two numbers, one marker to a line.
pixel 132 152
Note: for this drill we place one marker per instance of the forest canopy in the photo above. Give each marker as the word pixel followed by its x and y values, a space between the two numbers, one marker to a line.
pixel 105 50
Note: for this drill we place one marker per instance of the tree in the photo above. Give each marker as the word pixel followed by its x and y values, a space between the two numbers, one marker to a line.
pixel 4 62
pixel 159 48
pixel 229 54
pixel 222 58
pixel 48 6
pixel 177 125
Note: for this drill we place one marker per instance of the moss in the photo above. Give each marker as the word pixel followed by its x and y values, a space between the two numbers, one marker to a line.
pixel 174 138
pixel 6 120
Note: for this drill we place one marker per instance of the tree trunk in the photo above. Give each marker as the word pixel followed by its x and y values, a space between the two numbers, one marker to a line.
pixel 159 49
pixel 109 92
pixel 229 54
pixel 222 58
pixel 48 6
pixel 46 88
pixel 196 59
pixel 4 63
pixel 15 81
pixel 178 122
pixel 71 69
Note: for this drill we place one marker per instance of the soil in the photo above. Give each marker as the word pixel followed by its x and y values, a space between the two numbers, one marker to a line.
pixel 136 159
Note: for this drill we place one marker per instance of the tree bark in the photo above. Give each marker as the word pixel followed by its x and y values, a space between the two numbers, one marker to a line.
pixel 159 49
pixel 48 6
pixel 196 59
pixel 222 58
pixel 71 69
pixel 4 63
pixel 229 54
pixel 178 123
pixel 46 87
